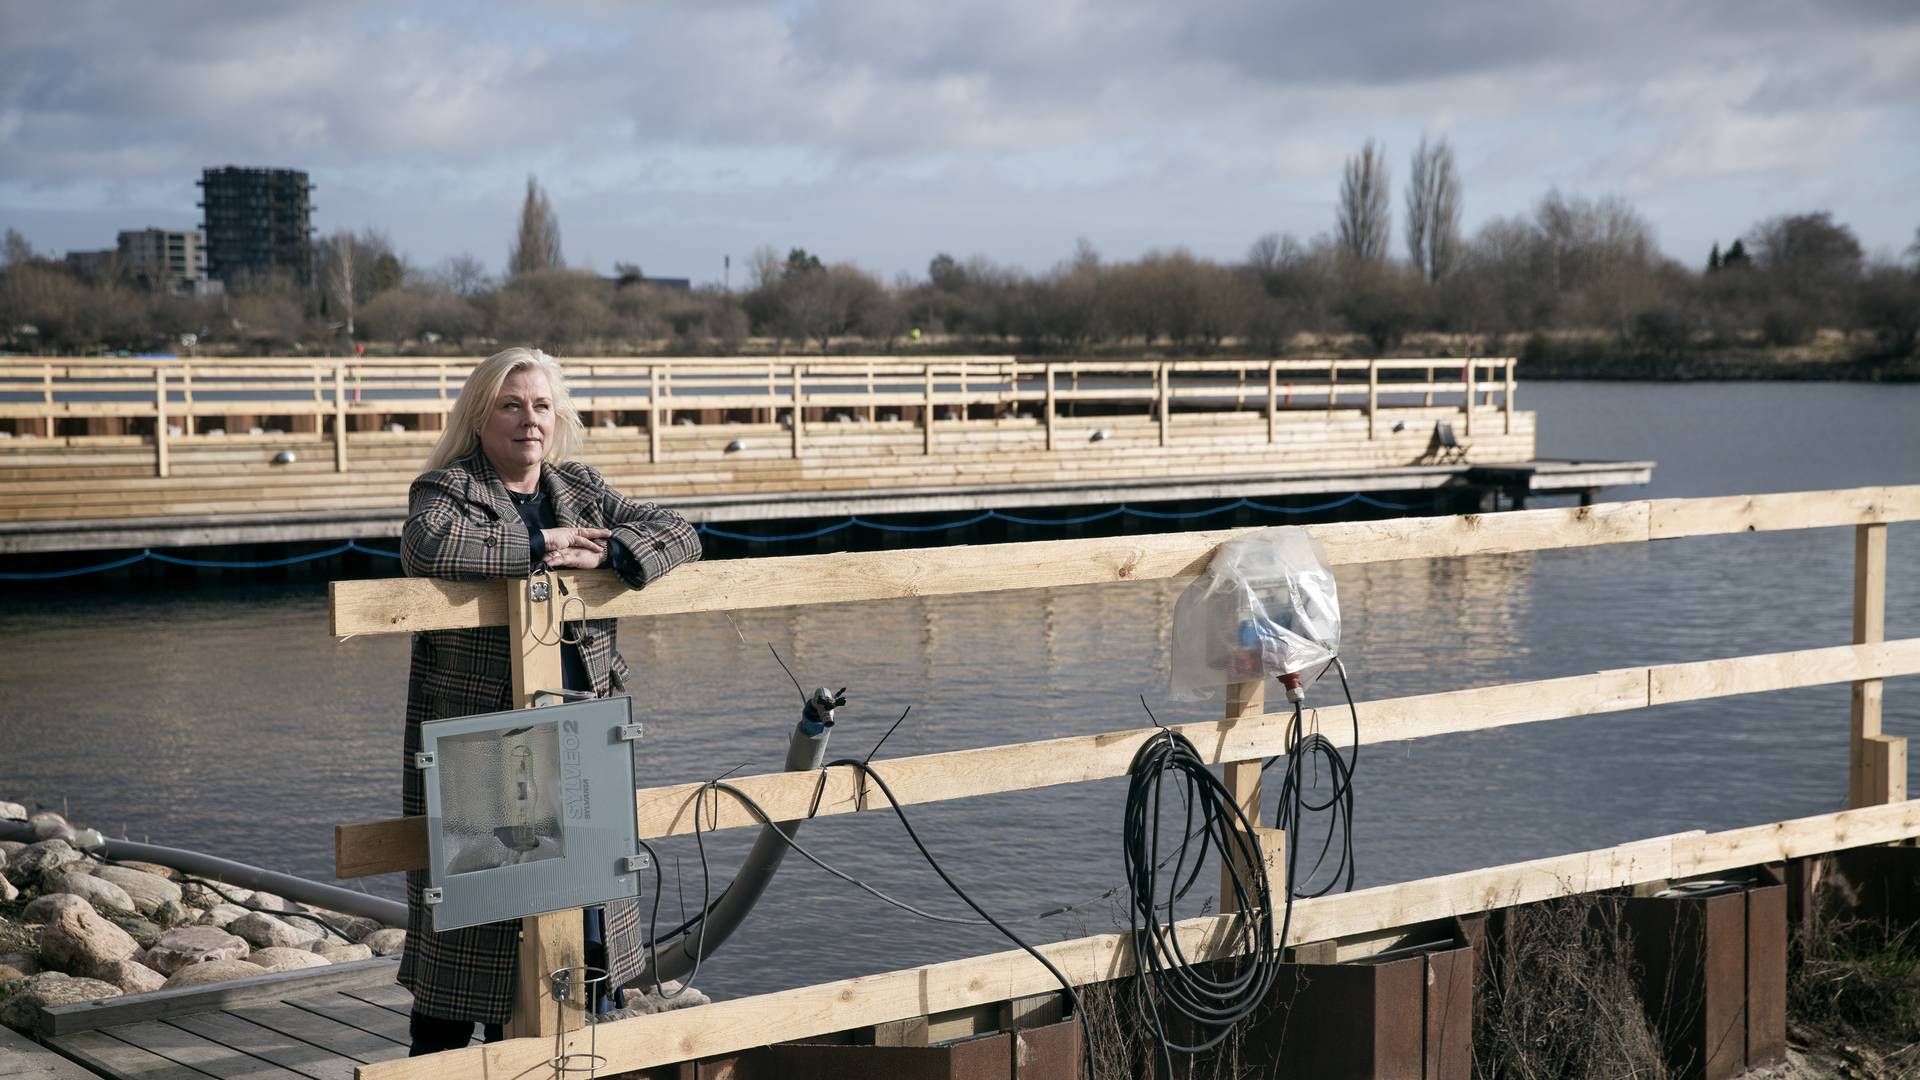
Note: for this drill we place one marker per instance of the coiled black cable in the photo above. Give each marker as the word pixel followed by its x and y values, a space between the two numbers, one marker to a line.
pixel 1212 998
pixel 1306 750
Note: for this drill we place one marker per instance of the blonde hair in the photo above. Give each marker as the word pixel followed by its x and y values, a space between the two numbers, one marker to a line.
pixel 471 408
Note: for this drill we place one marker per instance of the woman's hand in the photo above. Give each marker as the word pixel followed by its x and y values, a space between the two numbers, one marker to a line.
pixel 576 549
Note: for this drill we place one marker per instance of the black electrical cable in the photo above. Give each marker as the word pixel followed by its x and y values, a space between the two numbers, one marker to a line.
pixel 1210 999
pixel 1303 749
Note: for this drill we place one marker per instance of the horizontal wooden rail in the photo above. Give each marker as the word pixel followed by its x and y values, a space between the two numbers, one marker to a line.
pixel 399 605
pixel 764 1019
pixel 396 844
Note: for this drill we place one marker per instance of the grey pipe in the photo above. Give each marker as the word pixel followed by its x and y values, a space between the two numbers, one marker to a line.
pixel 298 889
pixel 805 751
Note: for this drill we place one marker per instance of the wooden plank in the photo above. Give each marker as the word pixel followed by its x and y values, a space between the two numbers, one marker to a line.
pixel 297 1055
pixel 350 1010
pixel 23 1059
pixel 1864 783
pixel 1245 701
pixel 1673 518
pixel 1670 683
pixel 400 844
pixel 109 1056
pixel 726 1026
pixel 393 997
pixel 407 604
pixel 200 1053
pixel 60 1020
pixel 332 1035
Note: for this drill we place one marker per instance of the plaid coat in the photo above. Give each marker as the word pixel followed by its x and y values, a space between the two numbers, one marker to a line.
pixel 462 525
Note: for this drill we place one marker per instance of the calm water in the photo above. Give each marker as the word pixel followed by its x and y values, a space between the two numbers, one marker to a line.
pixel 226 719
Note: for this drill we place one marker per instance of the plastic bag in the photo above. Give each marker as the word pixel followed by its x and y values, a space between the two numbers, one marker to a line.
pixel 1266 605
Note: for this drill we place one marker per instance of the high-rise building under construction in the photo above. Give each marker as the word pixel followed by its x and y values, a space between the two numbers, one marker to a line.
pixel 257 221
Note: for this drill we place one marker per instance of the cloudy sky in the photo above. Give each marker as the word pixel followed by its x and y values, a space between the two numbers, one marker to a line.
pixel 671 134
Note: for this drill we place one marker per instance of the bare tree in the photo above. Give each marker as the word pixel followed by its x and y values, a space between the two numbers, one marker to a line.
pixel 1364 221
pixel 1263 255
pixel 465 275
pixel 1433 210
pixel 337 253
pixel 537 246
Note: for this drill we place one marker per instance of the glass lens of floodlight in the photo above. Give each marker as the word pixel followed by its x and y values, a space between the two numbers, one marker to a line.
pixel 499 805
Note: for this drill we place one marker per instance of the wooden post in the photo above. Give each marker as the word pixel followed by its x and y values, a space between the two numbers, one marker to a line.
pixel 160 422
pixel 1242 778
pixel 872 413
pixel 1049 404
pixel 1166 398
pixel 1507 402
pixel 555 940
pixel 1467 373
pixel 1429 400
pixel 339 418
pixel 186 401
pixel 1373 399
pixel 1273 400
pixel 926 412
pixel 46 382
pixel 1333 385
pixel 653 416
pixel 1871 775
pixel 799 413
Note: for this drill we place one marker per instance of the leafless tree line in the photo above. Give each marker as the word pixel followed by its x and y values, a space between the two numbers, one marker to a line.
pixel 1572 267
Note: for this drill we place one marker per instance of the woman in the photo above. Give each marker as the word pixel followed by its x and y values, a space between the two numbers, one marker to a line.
pixel 501 496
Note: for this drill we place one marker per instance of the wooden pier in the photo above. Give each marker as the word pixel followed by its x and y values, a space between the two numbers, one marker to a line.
pixel 129 454
pixel 972 999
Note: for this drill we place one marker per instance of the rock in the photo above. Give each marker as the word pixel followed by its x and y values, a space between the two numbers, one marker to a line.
pixel 268 932
pixel 50 988
pixel 18 965
pixel 149 891
pixel 201 896
pixel 48 908
pixel 221 915
pixel 213 971
pixel 337 953
pixel 131 976
pixel 193 945
pixel 46 824
pixel 153 868
pixel 387 942
pixel 36 861
pixel 139 929
pixel 8 894
pixel 104 895
pixel 12 811
pixel 81 941
pixel 12 847
pixel 279 959
pixel 267 901
pixel 356 927
pixel 646 1003
pixel 171 914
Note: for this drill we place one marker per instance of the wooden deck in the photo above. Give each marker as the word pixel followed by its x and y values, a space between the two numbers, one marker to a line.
pixel 185 453
pixel 318 1024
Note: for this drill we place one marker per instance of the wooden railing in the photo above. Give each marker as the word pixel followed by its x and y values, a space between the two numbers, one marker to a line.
pixel 1244 736
pixel 173 395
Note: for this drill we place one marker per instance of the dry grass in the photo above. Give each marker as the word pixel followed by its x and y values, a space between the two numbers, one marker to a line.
pixel 1855 985
pixel 1559 1001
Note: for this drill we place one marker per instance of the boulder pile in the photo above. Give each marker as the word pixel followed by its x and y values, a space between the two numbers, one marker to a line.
pixel 78 929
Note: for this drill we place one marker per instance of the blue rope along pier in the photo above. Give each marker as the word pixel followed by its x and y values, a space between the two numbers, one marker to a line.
pixel 149 555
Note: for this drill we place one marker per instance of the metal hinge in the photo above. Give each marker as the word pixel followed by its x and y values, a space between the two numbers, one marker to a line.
pixel 432 894
pixel 633 863
pixel 425 759
pixel 631 732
